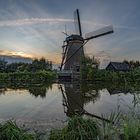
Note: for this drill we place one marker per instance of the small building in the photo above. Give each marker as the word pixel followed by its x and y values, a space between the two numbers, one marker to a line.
pixel 118 66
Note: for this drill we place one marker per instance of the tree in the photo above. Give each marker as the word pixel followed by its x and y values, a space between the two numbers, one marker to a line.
pixel 88 66
pixel 35 66
pixel 16 67
pixel 40 64
pixel 2 65
pixel 133 64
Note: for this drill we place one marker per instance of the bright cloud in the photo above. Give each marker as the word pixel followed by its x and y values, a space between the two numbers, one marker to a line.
pixel 11 53
pixel 31 21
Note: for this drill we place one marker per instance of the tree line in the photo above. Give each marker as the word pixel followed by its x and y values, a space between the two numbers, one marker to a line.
pixel 35 66
pixel 133 64
pixel 90 71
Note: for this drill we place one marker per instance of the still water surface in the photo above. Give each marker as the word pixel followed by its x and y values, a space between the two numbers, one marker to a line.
pixel 42 107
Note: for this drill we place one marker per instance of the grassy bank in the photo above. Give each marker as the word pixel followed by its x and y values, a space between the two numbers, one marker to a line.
pixel 10 131
pixel 121 128
pixel 27 77
pixel 114 76
pixel 78 128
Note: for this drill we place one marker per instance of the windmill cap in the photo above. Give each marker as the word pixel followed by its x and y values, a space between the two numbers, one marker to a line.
pixel 74 37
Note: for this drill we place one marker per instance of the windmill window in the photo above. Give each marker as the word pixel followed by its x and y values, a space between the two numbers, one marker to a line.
pixel 71 68
pixel 78 68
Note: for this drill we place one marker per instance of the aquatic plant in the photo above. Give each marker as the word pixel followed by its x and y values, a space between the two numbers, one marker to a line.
pixel 124 127
pixel 131 128
pixel 10 131
pixel 77 129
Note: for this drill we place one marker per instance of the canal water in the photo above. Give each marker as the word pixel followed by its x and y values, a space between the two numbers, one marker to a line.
pixel 42 107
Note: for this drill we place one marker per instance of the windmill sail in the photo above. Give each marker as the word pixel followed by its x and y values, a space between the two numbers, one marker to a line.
pixel 100 32
pixel 77 22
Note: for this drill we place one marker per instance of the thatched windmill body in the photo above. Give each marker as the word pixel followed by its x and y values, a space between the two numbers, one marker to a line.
pixel 73 51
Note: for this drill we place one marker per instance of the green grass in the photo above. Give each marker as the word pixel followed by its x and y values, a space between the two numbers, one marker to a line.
pixel 125 127
pixel 131 128
pixel 10 131
pixel 77 129
pixel 28 77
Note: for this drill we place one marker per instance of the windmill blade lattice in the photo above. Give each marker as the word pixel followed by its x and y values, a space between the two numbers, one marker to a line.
pixel 100 32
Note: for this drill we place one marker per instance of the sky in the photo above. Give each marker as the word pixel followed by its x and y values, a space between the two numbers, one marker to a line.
pixel 33 28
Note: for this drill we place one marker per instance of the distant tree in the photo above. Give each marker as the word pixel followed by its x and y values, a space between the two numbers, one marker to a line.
pixel 23 67
pixel 49 65
pixel 126 61
pixel 36 65
pixel 89 64
pixel 12 67
pixel 133 64
pixel 3 64
pixel 137 63
pixel 40 64
pixel 15 67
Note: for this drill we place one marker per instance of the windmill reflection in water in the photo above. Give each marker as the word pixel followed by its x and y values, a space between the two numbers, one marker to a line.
pixel 74 99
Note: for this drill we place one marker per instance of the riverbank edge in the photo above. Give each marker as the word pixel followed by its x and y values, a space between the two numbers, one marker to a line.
pixel 123 128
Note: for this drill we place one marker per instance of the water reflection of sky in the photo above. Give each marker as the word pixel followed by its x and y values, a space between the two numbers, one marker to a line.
pixel 111 103
pixel 21 105
pixel 49 110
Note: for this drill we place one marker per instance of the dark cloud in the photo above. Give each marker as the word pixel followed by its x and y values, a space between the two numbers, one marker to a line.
pixel 15 58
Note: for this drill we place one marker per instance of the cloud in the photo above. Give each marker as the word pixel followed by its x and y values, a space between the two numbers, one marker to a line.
pixel 31 21
pixel 103 54
pixel 1 51
pixel 20 22
pixel 56 59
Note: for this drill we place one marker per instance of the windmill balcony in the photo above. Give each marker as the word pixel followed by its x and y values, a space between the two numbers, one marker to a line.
pixel 68 75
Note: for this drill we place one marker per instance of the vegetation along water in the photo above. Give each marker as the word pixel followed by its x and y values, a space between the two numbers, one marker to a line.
pixel 101 87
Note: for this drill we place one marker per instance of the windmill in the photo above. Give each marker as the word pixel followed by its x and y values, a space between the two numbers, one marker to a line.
pixel 73 51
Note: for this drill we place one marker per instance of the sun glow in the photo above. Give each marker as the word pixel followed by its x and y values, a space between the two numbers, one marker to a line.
pixel 19 54
pixel 22 54
pixel 54 57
